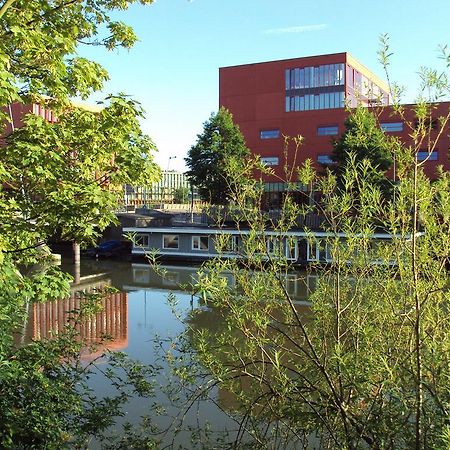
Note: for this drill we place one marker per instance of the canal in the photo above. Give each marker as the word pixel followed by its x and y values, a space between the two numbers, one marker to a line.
pixel 144 319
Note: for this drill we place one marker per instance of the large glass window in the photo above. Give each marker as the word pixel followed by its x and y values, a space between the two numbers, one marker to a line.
pixel 269 134
pixel 312 77
pixel 329 130
pixel 324 159
pixel 300 82
pixel 391 126
pixel 270 160
pixel 423 154
pixel 170 241
pixel 302 78
pixel 297 78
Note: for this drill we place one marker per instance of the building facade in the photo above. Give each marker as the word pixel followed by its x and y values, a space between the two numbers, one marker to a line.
pixel 164 191
pixel 311 97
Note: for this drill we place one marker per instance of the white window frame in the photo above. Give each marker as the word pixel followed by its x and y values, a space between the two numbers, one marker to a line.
pixel 274 246
pixel 318 250
pixel 196 243
pixel 233 246
pixel 173 238
pixel 145 241
pixel 291 248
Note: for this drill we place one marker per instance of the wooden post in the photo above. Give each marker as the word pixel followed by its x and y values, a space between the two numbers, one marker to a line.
pixel 76 261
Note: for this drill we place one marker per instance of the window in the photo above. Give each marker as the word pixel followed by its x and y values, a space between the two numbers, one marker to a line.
pixel 170 241
pixel 423 154
pixel 269 134
pixel 142 240
pixel 306 87
pixel 200 243
pixel 318 250
pixel 330 130
pixel 274 246
pixel 141 276
pixel 390 127
pixel 291 248
pixel 230 243
pixel 312 251
pixel 324 159
pixel 270 160
pixel 288 79
pixel 171 278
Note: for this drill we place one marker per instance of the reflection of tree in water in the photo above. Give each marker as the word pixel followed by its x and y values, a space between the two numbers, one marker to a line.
pixel 245 390
pixel 61 345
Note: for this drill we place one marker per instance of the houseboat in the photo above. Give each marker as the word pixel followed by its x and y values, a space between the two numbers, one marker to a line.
pixel 203 243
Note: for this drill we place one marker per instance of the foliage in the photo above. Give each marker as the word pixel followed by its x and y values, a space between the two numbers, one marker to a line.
pixel 364 140
pixel 63 179
pixel 46 403
pixel 181 194
pixel 57 173
pixel 220 141
pixel 368 364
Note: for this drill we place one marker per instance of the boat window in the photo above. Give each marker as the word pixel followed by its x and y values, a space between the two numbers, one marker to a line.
pixel 142 240
pixel 291 248
pixel 228 243
pixel 274 246
pixel 318 250
pixel 200 243
pixel 170 241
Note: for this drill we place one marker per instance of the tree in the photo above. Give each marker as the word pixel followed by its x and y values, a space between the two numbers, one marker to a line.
pixel 57 179
pixel 369 366
pixel 181 194
pixel 364 140
pixel 207 158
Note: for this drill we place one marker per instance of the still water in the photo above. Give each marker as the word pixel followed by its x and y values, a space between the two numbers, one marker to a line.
pixel 138 317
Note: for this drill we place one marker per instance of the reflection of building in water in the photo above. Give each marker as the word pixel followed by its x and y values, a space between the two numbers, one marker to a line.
pixel 47 319
pixel 299 285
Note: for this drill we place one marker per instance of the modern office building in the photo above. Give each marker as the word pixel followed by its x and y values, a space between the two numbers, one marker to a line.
pixel 310 97
pixel 164 191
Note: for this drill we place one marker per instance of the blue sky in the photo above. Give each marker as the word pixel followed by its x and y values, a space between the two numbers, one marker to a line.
pixel 173 69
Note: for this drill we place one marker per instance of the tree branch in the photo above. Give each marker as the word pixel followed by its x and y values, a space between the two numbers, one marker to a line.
pixel 5 7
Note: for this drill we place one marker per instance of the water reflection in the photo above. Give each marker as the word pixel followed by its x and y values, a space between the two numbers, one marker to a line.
pixel 139 312
pixel 111 322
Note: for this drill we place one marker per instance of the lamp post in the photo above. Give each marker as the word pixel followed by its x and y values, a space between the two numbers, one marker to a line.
pixel 164 181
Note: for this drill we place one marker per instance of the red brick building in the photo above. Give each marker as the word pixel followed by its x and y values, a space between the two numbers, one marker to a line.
pixel 17 111
pixel 308 97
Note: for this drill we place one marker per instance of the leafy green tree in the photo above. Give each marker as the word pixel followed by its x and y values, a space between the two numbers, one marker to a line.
pixel 207 158
pixel 57 179
pixel 181 194
pixel 364 140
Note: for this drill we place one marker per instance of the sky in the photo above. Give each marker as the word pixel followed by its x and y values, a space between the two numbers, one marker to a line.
pixel 173 71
